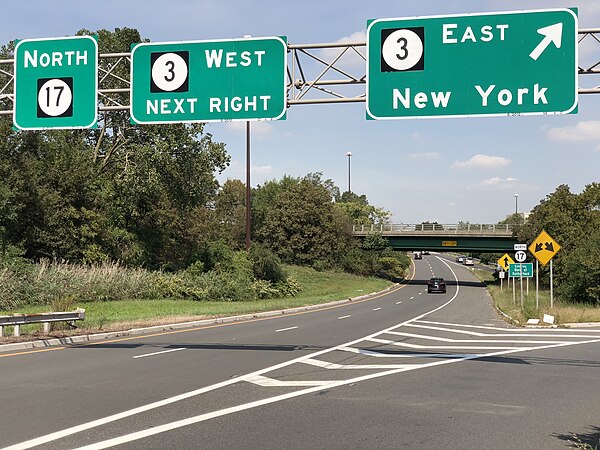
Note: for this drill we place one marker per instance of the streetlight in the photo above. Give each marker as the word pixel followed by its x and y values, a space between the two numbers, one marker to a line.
pixel 349 155
pixel 516 204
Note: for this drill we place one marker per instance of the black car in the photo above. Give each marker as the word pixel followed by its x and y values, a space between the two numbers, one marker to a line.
pixel 436 284
pixel 418 255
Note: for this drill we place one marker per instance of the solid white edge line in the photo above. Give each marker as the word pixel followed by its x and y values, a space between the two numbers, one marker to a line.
pixel 159 353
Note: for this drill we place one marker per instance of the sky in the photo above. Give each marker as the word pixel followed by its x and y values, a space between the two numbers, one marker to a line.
pixel 437 169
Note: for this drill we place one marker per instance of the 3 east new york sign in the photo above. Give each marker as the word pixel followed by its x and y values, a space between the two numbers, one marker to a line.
pixel 509 63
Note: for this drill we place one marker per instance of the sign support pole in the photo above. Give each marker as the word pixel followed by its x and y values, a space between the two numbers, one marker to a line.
pixel 514 292
pixel 521 281
pixel 537 284
pixel 248 186
pixel 551 287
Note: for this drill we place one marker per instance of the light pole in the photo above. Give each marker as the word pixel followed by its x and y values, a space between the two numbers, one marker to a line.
pixel 349 155
pixel 516 204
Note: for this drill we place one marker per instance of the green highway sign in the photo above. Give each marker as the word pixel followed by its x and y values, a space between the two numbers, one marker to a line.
pixel 484 64
pixel 56 83
pixel 209 81
pixel 514 270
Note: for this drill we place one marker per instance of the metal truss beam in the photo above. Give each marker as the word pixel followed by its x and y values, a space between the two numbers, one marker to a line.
pixel 317 74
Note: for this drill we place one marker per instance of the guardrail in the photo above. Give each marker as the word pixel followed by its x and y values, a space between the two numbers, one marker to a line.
pixel 16 320
pixel 436 228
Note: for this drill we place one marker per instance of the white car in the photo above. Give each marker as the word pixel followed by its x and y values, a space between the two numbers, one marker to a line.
pixel 468 262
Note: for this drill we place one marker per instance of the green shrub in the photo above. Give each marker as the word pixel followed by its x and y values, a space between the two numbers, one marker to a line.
pixel 266 265
pixel 265 289
pixel 391 267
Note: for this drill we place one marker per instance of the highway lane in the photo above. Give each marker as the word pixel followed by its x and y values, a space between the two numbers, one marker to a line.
pixel 293 396
pixel 103 379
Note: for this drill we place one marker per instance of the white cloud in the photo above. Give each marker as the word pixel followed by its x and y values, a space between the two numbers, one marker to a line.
pixel 584 131
pixel 257 128
pixel 350 59
pixel 424 156
pixel 498 182
pixel 482 162
pixel 503 184
pixel 262 170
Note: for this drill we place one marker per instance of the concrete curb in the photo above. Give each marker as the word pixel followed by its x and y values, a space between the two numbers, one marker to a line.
pixel 47 343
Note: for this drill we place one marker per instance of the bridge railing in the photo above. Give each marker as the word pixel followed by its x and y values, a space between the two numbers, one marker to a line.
pixel 435 228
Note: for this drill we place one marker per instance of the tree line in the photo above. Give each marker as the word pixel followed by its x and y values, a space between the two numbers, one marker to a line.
pixel 147 196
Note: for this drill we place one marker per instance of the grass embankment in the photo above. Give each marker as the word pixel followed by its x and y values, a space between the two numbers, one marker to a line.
pixel 316 288
pixel 563 311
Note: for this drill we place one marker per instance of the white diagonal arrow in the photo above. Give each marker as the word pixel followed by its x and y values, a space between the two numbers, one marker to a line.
pixel 552 33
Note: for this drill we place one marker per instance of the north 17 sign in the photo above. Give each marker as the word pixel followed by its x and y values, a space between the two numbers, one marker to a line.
pixel 509 63
pixel 56 83
pixel 209 81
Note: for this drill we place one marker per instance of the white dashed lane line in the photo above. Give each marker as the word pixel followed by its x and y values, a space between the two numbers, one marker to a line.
pixel 285 329
pixel 397 303
pixel 159 353
pixel 376 309
pixel 344 317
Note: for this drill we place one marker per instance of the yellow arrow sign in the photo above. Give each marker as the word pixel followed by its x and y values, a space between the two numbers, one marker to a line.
pixel 544 248
pixel 505 261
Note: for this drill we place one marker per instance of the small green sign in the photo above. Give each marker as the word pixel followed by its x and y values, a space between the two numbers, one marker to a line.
pixel 209 81
pixel 56 83
pixel 485 64
pixel 514 270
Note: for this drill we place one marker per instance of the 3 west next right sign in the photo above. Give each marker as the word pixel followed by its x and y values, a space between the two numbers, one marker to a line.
pixel 485 64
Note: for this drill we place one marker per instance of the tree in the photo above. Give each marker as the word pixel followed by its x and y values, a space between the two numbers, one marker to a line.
pixel 358 210
pixel 304 227
pixel 125 192
pixel 230 212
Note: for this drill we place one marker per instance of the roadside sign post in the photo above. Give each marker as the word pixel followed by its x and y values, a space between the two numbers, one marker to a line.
pixel 544 248
pixel 464 65
pixel 537 284
pixel 209 81
pixel 520 256
pixel 551 287
pixel 56 83
pixel 505 261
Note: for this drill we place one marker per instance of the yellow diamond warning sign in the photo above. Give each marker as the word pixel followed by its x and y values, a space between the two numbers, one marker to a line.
pixel 544 248
pixel 505 261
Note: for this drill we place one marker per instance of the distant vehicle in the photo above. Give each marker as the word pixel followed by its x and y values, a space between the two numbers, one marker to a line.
pixel 468 262
pixel 418 255
pixel 436 284
pixel 460 259
pixel 425 252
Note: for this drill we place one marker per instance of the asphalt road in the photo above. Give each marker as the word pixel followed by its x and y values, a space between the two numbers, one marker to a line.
pixel 402 370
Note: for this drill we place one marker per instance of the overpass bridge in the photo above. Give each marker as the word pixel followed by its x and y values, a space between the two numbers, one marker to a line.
pixel 486 238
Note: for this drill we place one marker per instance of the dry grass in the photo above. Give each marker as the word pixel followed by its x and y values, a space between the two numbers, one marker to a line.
pixel 564 312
